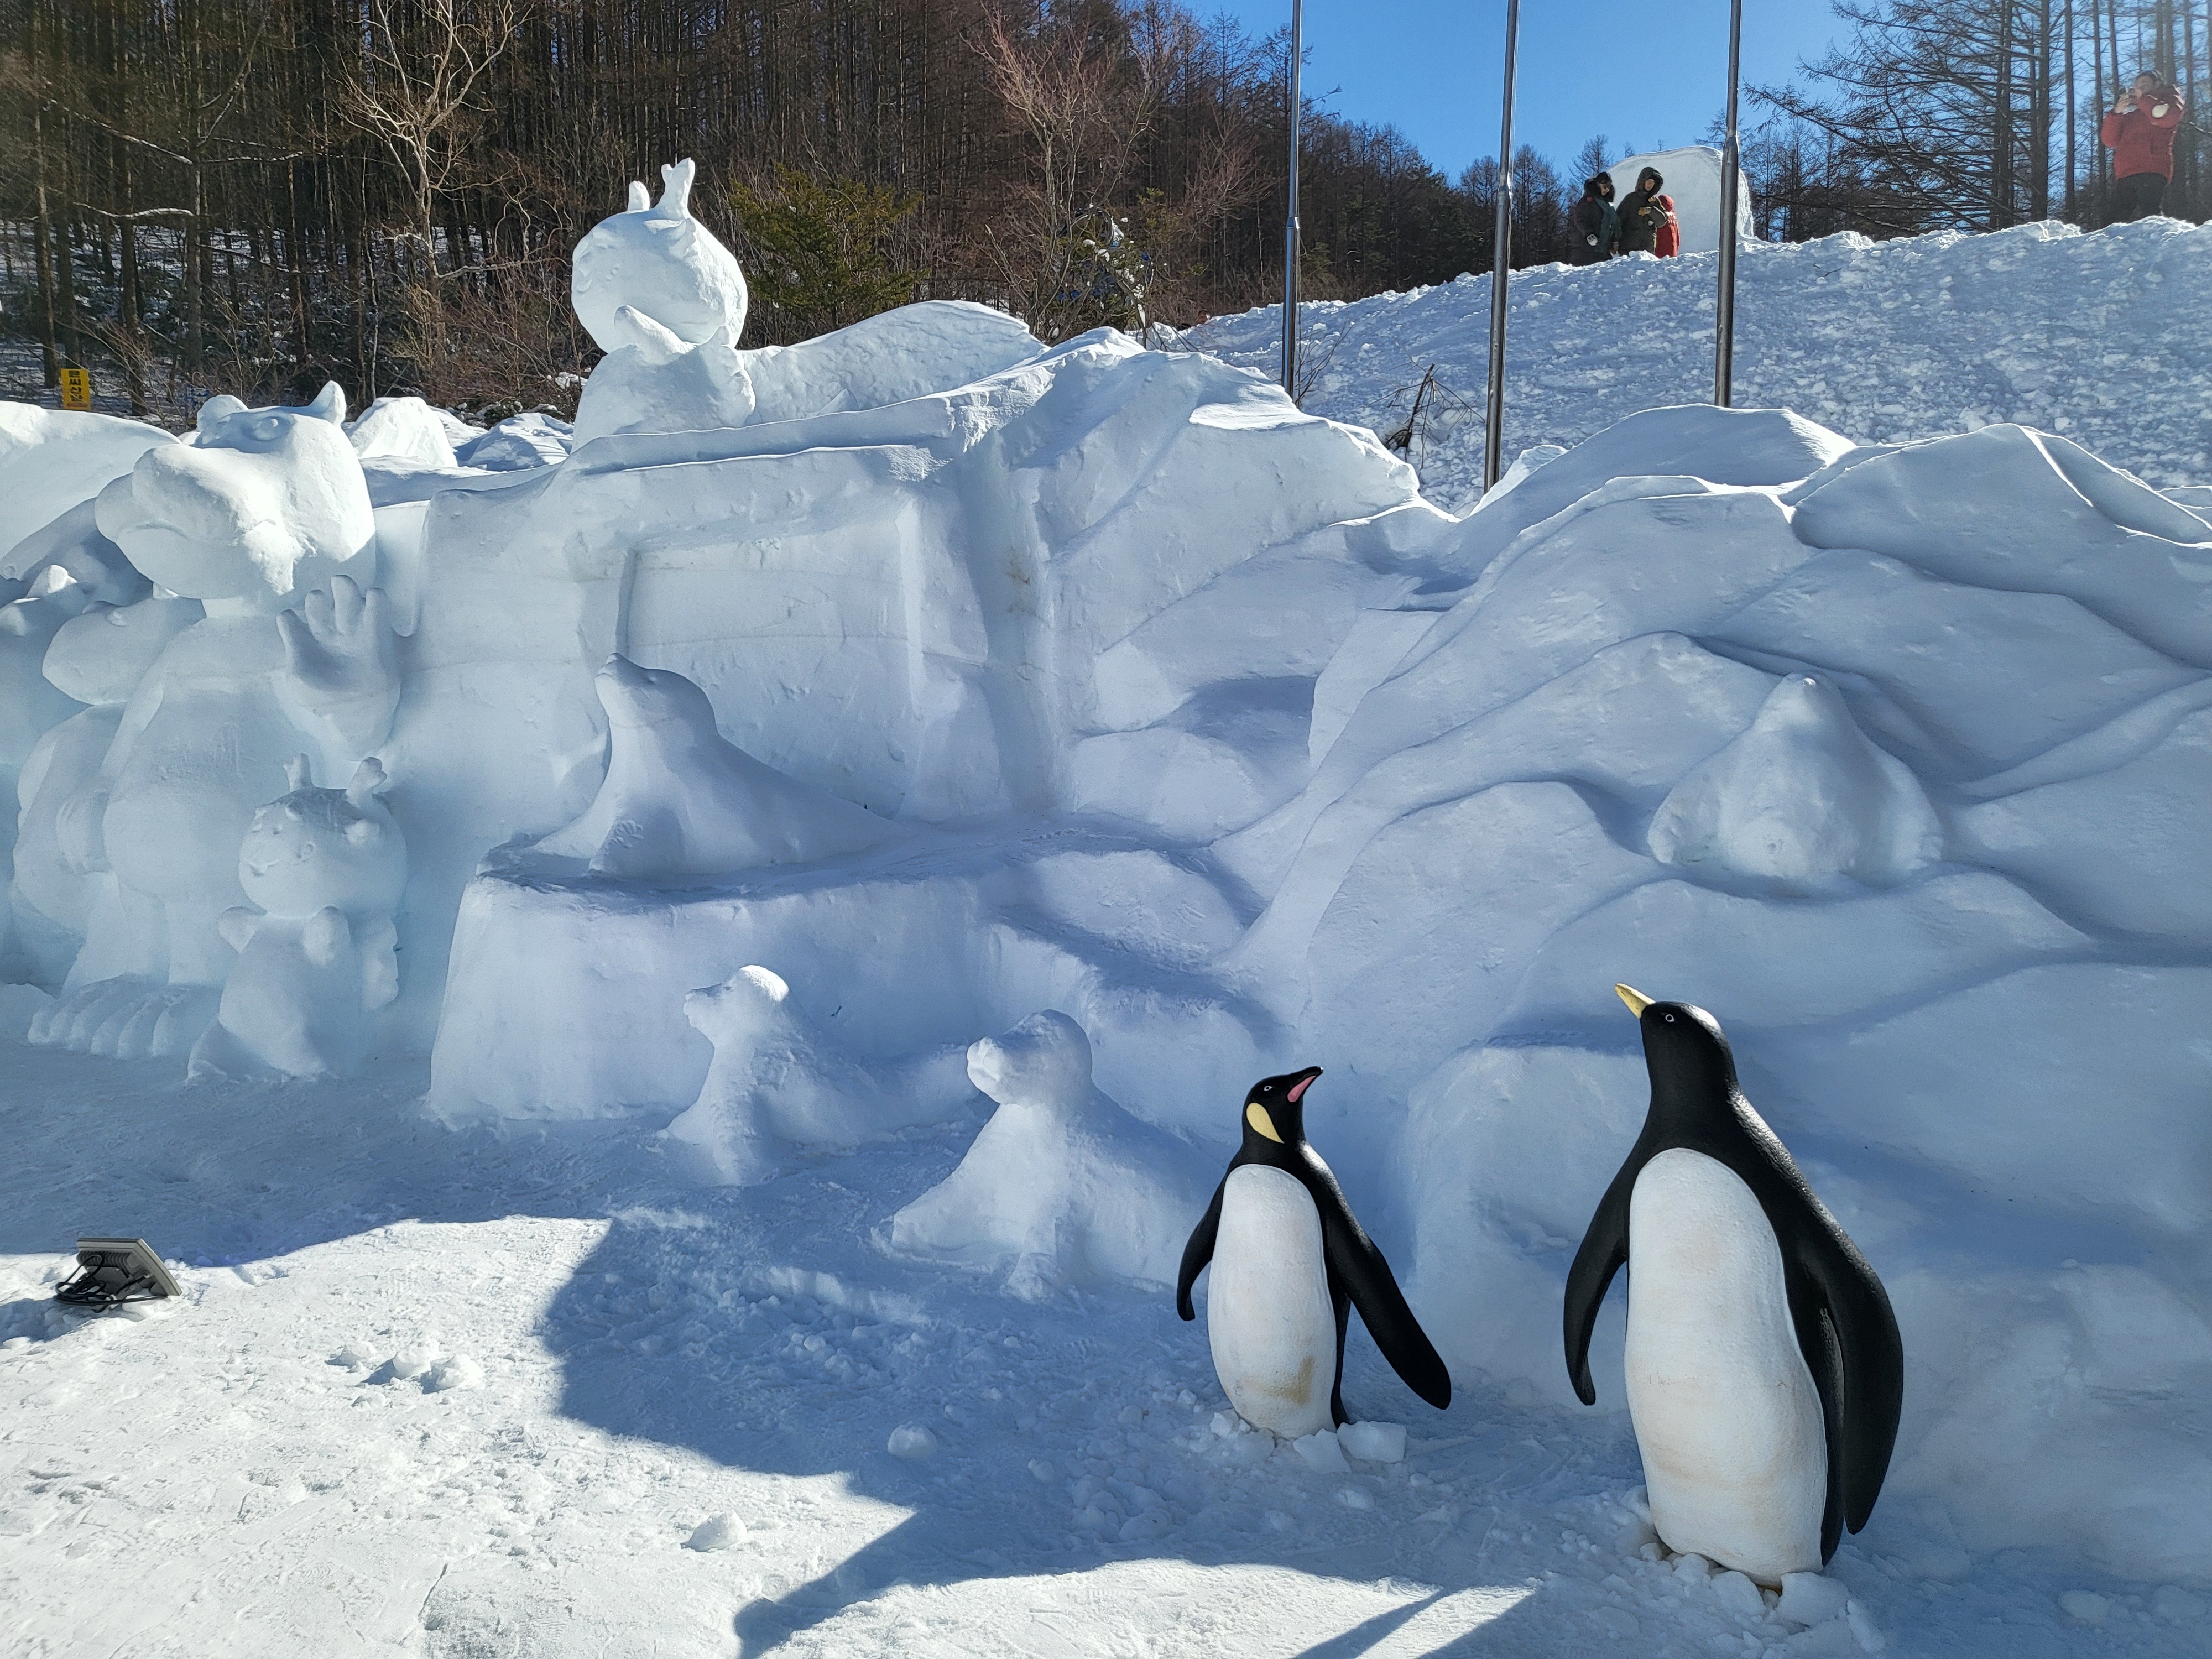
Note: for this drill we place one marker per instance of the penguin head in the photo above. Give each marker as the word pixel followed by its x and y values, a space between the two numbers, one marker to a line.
pixel 1685 1051
pixel 1274 1110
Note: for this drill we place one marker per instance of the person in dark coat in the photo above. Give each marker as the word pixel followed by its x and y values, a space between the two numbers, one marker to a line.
pixel 2139 131
pixel 1647 218
pixel 1592 222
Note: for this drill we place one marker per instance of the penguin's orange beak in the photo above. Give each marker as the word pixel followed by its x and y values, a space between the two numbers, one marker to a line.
pixel 1301 1085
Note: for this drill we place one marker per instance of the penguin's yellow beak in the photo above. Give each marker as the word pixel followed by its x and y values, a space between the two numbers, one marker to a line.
pixel 1637 1001
pixel 1256 1115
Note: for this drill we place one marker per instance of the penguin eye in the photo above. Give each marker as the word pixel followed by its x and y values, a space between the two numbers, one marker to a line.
pixel 1670 1019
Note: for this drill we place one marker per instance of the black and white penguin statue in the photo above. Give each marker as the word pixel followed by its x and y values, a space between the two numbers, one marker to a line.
pixel 1764 1365
pixel 1289 1261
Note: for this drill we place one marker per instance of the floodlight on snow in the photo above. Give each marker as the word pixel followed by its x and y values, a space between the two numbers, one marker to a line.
pixel 111 1271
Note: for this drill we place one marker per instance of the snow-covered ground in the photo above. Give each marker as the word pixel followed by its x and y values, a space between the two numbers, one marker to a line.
pixel 676 1277
pixel 2099 336
pixel 456 1395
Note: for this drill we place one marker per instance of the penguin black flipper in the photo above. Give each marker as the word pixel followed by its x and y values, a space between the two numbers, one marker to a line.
pixel 1604 1250
pixel 1200 1250
pixel 1846 1320
pixel 1357 1269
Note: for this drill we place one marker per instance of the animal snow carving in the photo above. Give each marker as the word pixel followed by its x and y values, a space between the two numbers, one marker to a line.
pixel 680 800
pixel 259 505
pixel 280 487
pixel 1290 1261
pixel 655 277
pixel 1063 1186
pixel 327 868
pixel 779 1082
pixel 1765 1370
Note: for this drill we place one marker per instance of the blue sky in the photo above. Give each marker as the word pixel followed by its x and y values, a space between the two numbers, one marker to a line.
pixel 1433 66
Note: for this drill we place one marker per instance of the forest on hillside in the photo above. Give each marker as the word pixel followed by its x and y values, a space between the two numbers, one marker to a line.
pixel 201 195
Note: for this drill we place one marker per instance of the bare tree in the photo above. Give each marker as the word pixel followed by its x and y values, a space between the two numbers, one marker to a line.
pixel 417 94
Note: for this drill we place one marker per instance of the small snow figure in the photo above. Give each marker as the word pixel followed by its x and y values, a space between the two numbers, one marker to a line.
pixel 327 866
pixel 655 277
pixel 1063 1186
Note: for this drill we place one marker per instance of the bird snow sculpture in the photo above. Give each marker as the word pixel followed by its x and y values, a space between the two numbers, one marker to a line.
pixel 1764 1365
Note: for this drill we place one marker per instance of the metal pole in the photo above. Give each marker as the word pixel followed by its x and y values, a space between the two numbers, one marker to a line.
pixel 1724 312
pixel 1501 242
pixel 1291 227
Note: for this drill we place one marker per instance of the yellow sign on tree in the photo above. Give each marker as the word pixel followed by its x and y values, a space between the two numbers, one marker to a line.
pixel 76 388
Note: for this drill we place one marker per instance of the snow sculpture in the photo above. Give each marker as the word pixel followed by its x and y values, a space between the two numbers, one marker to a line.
pixel 281 486
pixel 651 386
pixel 326 868
pixel 680 799
pixel 780 1082
pixel 655 275
pixel 260 505
pixel 1063 1187
pixel 1799 797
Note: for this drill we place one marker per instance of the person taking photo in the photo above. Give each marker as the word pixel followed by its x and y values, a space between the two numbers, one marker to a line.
pixel 1647 218
pixel 2139 131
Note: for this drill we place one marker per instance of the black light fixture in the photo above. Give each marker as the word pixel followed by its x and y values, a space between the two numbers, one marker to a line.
pixel 111 1271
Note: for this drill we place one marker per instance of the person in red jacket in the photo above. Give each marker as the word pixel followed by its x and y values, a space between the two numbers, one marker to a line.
pixel 2139 132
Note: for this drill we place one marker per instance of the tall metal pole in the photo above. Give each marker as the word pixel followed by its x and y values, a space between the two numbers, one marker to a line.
pixel 1290 227
pixel 1501 242
pixel 1724 311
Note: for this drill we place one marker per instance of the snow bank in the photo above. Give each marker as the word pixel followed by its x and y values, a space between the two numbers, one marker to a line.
pixel 2094 337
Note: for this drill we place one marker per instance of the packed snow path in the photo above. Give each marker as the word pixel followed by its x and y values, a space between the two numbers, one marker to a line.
pixel 2099 336
pixel 466 1396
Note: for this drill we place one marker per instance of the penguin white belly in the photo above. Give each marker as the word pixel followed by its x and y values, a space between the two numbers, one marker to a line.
pixel 1269 1316
pixel 1735 1458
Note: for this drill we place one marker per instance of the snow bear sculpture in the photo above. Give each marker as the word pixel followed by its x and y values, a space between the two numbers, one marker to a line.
pixel 780 1082
pixel 654 276
pixel 680 801
pixel 262 507
pixel 1063 1186
pixel 282 487
pixel 327 868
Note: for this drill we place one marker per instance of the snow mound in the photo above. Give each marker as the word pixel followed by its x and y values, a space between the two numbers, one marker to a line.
pixel 404 429
pixel 1063 1186
pixel 2088 337
pixel 518 443
pixel 50 460
pixel 1799 797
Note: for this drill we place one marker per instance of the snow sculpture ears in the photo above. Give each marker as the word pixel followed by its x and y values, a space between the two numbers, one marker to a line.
pixel 641 198
pixel 218 408
pixel 676 189
pixel 368 782
pixel 330 403
pixel 299 774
